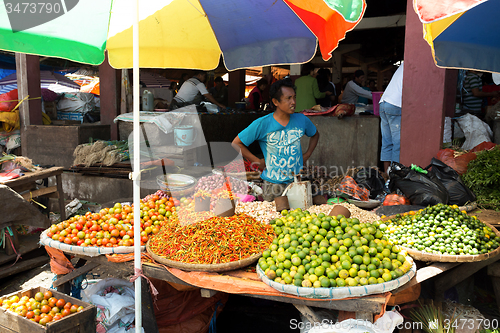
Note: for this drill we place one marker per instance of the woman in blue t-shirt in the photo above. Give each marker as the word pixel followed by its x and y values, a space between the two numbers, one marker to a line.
pixel 278 135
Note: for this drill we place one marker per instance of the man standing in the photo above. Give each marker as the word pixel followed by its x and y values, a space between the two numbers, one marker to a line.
pixel 278 135
pixel 390 118
pixel 219 92
pixel 192 92
pixel 354 89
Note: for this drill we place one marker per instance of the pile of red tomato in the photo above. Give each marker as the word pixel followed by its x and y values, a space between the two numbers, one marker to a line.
pixel 114 226
pixel 42 308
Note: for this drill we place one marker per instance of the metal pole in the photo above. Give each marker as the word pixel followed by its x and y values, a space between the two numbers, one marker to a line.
pixel 137 172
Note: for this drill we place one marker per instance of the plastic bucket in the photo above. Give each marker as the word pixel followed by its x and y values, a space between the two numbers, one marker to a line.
pixel 376 99
pixel 184 135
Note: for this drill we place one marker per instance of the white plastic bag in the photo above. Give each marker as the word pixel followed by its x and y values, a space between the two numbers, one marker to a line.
pixel 115 303
pixel 476 131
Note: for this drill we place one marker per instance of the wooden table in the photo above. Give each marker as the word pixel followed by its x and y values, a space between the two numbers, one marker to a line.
pixel 26 186
pixel 444 275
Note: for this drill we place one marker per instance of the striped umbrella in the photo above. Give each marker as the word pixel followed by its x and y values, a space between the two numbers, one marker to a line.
pixel 462 34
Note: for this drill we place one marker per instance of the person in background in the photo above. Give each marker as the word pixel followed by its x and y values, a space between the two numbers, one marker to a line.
pixel 255 97
pixel 324 85
pixel 219 91
pixel 173 88
pixel 278 135
pixel 308 89
pixel 354 89
pixel 192 92
pixel 372 86
pixel 390 119
pixel 473 93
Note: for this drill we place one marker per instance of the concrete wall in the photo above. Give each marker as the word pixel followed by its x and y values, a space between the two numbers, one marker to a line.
pixel 345 143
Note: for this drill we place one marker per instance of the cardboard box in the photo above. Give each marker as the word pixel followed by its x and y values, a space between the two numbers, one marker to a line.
pixel 78 322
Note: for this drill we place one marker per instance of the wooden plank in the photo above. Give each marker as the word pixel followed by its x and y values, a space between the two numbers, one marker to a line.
pixel 353 305
pixel 458 274
pixel 27 243
pixel 208 293
pixel 427 272
pixel 40 192
pixel 161 274
pixel 32 176
pixel 76 273
pixel 23 265
pixel 308 313
pixel 494 269
pixel 366 316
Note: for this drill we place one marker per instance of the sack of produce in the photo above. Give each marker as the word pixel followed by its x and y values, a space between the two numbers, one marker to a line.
pixel 395 199
pixel 370 179
pixel 459 193
pixel 455 160
pixel 350 189
pixel 422 187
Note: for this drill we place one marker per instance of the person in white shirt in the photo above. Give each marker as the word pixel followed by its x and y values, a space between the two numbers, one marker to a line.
pixel 192 91
pixel 354 89
pixel 390 119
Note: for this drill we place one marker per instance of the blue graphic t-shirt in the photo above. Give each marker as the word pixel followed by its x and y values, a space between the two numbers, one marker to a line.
pixel 280 145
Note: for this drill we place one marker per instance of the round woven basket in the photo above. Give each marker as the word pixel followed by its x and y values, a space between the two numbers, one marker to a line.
pixel 340 292
pixel 425 256
pixel 203 267
pixel 91 251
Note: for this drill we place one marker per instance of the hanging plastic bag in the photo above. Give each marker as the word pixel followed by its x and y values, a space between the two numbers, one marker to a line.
pixel 423 189
pixel 370 179
pixel 459 193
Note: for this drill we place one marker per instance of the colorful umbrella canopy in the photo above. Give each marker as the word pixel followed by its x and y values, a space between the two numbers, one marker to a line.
pixel 462 34
pixel 53 81
pixel 182 33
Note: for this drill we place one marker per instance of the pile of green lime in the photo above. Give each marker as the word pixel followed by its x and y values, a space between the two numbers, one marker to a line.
pixel 330 251
pixel 441 229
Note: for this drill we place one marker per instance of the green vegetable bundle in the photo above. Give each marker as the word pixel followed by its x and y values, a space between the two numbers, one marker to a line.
pixel 483 178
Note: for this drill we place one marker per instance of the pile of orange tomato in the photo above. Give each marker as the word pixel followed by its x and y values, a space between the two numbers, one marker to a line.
pixel 114 226
pixel 43 308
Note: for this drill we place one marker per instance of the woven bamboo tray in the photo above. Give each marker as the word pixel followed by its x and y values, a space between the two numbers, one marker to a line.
pixel 204 267
pixel 425 256
pixel 91 251
pixel 340 292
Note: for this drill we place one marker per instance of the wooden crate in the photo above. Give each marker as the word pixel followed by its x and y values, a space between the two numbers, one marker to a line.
pixel 79 322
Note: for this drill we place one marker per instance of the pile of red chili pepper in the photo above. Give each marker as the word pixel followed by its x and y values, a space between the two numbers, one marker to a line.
pixel 214 241
pixel 237 166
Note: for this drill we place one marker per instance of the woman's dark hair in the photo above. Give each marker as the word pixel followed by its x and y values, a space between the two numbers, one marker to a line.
pixel 307 68
pixel 323 77
pixel 275 90
pixel 218 79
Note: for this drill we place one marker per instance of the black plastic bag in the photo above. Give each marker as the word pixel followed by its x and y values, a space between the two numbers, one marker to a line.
pixel 459 193
pixel 421 189
pixel 370 179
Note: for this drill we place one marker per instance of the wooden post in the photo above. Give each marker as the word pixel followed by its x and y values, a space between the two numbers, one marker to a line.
pixel 110 85
pixel 236 87
pixel 28 84
pixel 427 94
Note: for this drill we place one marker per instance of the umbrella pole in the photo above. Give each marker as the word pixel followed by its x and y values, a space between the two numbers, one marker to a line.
pixel 137 173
